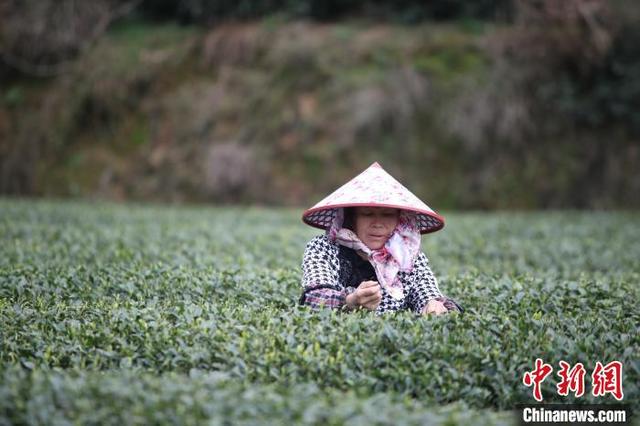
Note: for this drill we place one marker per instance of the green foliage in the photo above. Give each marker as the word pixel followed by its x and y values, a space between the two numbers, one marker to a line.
pixel 610 93
pixel 449 56
pixel 14 96
pixel 161 314
pixel 135 397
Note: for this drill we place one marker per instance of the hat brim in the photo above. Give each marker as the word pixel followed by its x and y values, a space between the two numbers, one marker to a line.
pixel 322 217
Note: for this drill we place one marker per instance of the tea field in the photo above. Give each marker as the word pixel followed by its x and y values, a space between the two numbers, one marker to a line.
pixel 138 314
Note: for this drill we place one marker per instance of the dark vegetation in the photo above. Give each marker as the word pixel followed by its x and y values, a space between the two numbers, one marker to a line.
pixel 509 104
pixel 401 11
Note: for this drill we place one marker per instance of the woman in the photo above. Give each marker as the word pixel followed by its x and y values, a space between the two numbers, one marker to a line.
pixel 369 257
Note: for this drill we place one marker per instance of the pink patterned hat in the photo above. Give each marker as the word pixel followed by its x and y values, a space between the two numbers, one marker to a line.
pixel 374 187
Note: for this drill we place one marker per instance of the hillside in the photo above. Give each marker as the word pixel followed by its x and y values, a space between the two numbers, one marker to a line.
pixel 277 112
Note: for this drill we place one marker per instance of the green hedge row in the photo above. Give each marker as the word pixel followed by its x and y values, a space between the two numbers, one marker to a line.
pixel 130 397
pixel 148 305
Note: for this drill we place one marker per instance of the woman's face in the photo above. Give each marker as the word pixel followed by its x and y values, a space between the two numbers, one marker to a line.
pixel 374 225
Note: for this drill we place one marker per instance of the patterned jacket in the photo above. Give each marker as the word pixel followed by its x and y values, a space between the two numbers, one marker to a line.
pixel 326 281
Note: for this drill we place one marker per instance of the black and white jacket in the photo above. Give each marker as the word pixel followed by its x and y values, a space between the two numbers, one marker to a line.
pixel 328 277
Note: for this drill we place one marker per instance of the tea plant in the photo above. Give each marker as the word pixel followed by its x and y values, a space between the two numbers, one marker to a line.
pixel 154 314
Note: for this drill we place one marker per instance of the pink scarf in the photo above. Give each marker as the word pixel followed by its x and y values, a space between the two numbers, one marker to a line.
pixel 397 254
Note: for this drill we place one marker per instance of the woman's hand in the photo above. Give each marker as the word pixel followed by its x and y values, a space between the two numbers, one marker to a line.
pixel 367 295
pixel 434 307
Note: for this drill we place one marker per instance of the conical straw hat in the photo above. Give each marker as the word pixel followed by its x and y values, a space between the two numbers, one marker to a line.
pixel 374 187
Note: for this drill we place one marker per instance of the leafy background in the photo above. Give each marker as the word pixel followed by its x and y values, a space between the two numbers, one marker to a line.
pixel 484 104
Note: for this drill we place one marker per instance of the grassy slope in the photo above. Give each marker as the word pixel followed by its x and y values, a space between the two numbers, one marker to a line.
pixel 140 113
pixel 290 110
pixel 131 312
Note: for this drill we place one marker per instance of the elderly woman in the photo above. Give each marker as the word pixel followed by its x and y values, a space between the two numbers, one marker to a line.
pixel 369 257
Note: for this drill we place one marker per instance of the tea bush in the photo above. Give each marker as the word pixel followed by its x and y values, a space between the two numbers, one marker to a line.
pixel 142 313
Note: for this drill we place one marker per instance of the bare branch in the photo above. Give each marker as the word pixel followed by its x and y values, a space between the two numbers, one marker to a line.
pixel 43 38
